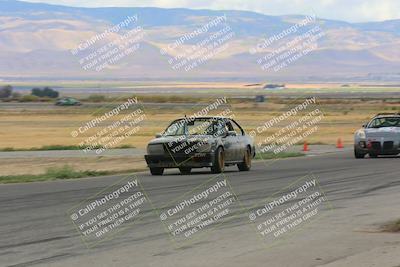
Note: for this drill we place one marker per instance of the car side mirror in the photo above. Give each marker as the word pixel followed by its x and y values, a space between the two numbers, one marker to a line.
pixel 364 125
pixel 158 135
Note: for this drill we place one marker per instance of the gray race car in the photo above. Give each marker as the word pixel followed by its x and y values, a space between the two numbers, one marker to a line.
pixel 188 143
pixel 381 136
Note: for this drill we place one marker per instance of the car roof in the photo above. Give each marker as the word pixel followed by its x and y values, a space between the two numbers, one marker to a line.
pixel 206 117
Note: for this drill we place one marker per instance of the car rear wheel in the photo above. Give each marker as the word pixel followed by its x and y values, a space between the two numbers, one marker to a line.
pixel 246 164
pixel 358 154
pixel 219 161
pixel 185 170
pixel 157 171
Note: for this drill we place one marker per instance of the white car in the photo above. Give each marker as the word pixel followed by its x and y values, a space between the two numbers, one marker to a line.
pixel 381 136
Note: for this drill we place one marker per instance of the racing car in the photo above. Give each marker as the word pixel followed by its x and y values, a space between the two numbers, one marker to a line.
pixel 381 136
pixel 68 101
pixel 213 142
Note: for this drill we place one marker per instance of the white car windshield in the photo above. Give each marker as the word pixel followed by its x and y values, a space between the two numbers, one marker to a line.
pixel 385 122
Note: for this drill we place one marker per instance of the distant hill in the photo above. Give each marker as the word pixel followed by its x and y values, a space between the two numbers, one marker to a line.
pixel 36 39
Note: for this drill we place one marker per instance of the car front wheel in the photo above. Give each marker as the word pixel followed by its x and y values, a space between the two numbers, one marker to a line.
pixel 373 155
pixel 157 171
pixel 185 170
pixel 358 154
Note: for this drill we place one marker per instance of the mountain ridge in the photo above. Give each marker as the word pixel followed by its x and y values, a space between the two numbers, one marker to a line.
pixel 38 38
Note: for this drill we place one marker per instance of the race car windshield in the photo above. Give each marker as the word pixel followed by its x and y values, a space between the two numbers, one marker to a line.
pixel 385 122
pixel 176 128
pixel 195 127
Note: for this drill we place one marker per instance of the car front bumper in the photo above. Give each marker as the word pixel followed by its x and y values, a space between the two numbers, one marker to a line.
pixel 198 160
pixel 380 148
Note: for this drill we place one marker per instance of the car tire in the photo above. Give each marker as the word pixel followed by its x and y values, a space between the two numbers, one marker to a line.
pixel 373 155
pixel 358 154
pixel 218 165
pixel 246 164
pixel 185 170
pixel 156 171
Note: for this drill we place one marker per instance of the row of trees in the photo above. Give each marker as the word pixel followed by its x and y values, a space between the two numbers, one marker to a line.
pixel 45 92
pixel 6 92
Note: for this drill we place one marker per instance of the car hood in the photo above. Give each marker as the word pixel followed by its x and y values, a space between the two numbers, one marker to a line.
pixel 189 138
pixel 386 132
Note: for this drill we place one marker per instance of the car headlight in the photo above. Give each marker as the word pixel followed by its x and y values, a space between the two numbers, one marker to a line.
pixel 361 134
pixel 155 149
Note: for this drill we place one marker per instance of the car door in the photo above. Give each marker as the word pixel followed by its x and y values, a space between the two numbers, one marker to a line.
pixel 241 138
pixel 229 142
pixel 236 151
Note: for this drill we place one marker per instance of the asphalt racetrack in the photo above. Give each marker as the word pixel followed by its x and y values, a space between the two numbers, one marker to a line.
pixel 37 230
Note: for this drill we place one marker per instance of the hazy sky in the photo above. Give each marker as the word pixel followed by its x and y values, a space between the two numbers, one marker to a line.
pixel 348 10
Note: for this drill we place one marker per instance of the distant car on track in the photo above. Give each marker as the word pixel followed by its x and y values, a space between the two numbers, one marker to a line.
pixel 381 136
pixel 213 142
pixel 68 101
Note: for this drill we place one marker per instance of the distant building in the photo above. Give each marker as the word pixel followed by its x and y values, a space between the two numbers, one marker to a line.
pixel 274 86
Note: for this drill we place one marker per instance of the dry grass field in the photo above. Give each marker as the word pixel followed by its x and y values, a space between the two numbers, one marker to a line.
pixel 27 128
